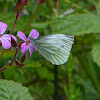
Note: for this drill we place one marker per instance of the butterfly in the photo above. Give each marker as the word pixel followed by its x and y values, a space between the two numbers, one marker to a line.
pixel 55 48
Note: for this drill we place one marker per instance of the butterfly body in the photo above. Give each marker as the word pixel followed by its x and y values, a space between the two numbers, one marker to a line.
pixel 55 48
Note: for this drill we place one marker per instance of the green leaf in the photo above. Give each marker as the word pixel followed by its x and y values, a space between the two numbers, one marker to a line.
pixel 96 52
pixel 7 54
pixel 39 25
pixel 69 65
pixel 45 73
pixel 76 94
pixel 10 90
pixel 32 64
pixel 66 91
pixel 20 24
pixel 76 24
pixel 98 8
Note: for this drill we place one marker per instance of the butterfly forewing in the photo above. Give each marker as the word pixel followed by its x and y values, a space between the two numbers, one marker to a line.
pixel 55 48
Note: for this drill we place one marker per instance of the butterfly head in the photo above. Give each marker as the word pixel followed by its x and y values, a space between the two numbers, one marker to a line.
pixel 33 40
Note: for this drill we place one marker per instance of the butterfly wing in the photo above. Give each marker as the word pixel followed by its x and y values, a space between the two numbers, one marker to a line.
pixel 55 48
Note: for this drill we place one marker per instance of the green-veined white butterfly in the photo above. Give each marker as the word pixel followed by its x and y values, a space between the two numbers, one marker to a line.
pixel 55 48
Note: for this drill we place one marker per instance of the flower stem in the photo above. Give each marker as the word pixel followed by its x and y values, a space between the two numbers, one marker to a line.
pixel 57 4
pixel 56 82
pixel 70 87
pixel 34 14
pixel 2 69
pixel 14 57
pixel 17 14
pixel 2 53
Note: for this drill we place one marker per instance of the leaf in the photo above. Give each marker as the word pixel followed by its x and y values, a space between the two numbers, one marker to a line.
pixel 76 24
pixel 10 90
pixel 13 73
pixel 32 64
pixel 20 24
pixel 45 73
pixel 76 94
pixel 66 91
pixel 86 84
pixel 98 8
pixel 96 52
pixel 7 53
pixel 39 24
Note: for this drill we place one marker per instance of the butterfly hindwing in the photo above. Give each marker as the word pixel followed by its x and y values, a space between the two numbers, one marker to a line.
pixel 55 48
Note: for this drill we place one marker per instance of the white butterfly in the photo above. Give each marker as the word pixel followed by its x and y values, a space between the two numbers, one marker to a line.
pixel 55 48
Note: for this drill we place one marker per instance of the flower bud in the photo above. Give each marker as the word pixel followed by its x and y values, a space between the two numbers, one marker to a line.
pixel 9 62
pixel 37 2
pixel 17 63
pixel 0 44
pixel 13 42
pixel 20 44
pixel 23 58
pixel 24 2
pixel 19 5
pixel 43 1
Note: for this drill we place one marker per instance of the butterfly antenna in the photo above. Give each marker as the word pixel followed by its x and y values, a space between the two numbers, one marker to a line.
pixel 56 82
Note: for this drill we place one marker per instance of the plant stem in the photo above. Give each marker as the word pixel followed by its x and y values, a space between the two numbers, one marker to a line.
pixel 76 6
pixel 57 4
pixel 78 10
pixel 70 87
pixel 56 82
pixel 34 14
pixel 14 57
pixel 2 69
pixel 52 11
pixel 2 53
pixel 17 14
pixel 42 97
pixel 89 73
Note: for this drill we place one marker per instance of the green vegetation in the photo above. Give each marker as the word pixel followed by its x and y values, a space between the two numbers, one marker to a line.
pixel 79 78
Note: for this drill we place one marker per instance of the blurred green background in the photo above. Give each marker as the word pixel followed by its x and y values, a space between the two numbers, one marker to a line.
pixel 80 18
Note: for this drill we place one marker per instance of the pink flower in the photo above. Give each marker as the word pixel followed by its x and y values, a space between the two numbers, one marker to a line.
pixel 27 44
pixel 5 39
pixel 37 2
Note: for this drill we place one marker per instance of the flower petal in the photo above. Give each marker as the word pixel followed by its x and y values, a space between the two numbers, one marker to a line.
pixel 14 37
pixel 5 43
pixel 3 27
pixel 21 35
pixel 24 47
pixel 6 36
pixel 31 49
pixel 34 33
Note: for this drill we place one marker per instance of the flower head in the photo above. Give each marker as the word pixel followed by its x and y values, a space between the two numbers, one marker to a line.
pixel 5 38
pixel 38 1
pixel 27 44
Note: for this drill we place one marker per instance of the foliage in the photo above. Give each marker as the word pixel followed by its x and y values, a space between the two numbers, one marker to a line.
pixel 79 77
pixel 96 52
pixel 76 24
pixel 10 90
